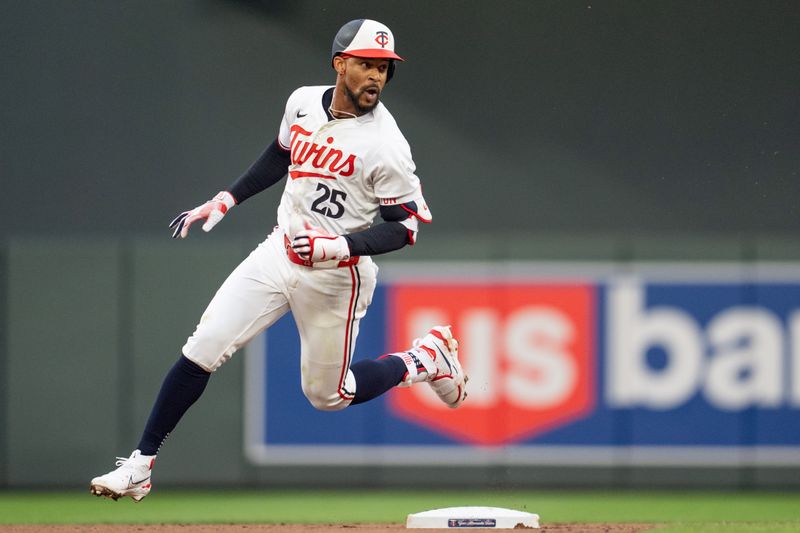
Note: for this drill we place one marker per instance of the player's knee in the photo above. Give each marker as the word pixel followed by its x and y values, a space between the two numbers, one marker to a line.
pixel 325 404
pixel 326 400
pixel 210 362
pixel 207 350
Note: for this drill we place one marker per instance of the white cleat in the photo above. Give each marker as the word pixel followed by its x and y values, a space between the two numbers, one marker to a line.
pixel 131 478
pixel 448 381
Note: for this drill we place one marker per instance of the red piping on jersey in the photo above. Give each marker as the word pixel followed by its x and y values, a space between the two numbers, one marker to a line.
pixel 294 174
pixel 414 213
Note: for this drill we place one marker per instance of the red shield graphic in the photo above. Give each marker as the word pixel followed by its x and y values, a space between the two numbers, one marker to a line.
pixel 527 348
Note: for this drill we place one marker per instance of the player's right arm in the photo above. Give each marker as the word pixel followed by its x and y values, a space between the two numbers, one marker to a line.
pixel 266 171
pixel 273 164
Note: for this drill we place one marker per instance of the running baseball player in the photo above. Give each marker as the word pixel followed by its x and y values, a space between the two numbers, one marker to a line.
pixel 346 162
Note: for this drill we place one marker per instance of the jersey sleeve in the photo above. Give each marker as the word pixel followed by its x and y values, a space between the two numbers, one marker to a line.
pixel 396 184
pixel 284 132
pixel 395 180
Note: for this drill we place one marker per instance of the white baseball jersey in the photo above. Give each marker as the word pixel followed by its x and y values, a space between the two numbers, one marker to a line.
pixel 342 170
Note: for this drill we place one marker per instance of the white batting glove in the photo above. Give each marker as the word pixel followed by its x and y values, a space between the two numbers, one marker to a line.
pixel 315 244
pixel 212 211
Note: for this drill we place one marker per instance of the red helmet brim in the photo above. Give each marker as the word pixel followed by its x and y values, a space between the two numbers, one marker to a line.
pixel 372 53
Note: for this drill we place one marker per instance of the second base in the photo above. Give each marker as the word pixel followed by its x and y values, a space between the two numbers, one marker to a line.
pixel 472 518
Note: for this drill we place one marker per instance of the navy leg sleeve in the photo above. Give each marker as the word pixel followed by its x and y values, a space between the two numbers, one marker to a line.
pixel 182 386
pixel 373 378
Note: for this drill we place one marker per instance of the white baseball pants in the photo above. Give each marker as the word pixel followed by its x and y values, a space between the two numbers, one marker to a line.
pixel 327 305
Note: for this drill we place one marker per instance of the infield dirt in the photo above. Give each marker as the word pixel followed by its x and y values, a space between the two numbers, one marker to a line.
pixel 291 528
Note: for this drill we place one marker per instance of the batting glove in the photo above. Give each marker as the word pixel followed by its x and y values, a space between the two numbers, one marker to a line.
pixel 315 244
pixel 212 211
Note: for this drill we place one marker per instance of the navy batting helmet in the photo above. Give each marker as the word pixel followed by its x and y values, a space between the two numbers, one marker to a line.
pixel 366 38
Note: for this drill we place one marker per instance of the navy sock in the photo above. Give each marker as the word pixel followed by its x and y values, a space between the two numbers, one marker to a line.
pixel 182 386
pixel 373 378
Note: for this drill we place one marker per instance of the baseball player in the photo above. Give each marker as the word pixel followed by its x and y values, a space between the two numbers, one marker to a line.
pixel 346 162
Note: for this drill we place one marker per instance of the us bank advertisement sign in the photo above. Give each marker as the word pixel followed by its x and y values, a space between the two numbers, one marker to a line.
pixel 575 364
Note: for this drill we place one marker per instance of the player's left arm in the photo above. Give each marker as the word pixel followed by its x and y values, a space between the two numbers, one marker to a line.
pixel 398 229
pixel 399 194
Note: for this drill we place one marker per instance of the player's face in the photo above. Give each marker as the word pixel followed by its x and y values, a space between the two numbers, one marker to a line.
pixel 363 80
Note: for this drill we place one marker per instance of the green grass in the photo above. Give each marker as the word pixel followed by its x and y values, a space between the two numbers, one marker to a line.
pixel 687 511
pixel 731 527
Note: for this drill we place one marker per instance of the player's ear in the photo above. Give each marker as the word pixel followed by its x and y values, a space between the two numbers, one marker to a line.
pixel 339 65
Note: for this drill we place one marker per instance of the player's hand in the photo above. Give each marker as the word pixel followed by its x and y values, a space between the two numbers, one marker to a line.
pixel 212 212
pixel 315 244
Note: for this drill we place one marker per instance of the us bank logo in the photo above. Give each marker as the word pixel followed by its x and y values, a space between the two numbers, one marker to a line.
pixel 528 348
pixel 569 364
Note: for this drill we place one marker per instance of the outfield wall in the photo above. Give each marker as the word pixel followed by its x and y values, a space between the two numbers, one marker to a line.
pixel 91 326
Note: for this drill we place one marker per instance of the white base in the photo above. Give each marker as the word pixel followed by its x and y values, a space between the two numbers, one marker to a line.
pixel 472 518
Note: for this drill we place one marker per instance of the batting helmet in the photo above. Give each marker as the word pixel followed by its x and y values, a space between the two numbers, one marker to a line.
pixel 366 38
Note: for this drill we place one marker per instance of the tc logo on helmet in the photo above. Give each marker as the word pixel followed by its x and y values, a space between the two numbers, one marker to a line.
pixel 382 38
pixel 528 350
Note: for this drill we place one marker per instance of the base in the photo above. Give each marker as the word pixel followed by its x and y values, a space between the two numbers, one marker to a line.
pixel 472 518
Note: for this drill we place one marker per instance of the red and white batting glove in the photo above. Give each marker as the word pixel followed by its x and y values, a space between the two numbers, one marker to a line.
pixel 212 211
pixel 315 244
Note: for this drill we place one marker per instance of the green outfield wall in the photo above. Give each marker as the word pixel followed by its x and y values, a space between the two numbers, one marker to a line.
pixel 90 326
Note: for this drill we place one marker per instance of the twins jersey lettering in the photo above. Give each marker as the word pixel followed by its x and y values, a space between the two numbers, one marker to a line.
pixel 343 170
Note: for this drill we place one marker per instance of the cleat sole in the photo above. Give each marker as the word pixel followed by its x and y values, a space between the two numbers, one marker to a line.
pixel 101 491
